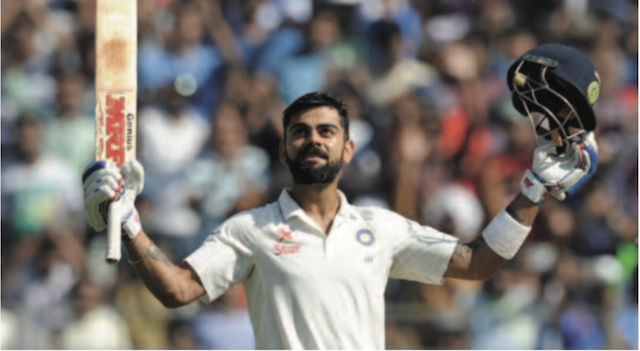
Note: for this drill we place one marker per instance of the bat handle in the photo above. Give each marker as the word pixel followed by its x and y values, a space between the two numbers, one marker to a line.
pixel 113 233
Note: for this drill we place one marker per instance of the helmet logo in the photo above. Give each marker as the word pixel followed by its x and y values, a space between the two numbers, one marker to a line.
pixel 593 91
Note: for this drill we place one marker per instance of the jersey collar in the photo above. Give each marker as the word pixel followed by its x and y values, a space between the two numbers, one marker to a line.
pixel 290 208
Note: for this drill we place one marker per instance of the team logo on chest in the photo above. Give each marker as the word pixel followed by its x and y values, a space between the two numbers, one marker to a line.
pixel 284 246
pixel 365 237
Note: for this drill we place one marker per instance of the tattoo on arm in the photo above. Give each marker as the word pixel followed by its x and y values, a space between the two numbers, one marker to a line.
pixel 157 255
pixel 474 261
pixel 461 251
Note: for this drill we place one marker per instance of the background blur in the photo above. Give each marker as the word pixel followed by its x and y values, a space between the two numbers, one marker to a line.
pixel 437 141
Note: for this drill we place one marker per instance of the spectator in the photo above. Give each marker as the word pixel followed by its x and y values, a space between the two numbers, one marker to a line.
pixel 171 136
pixel 437 139
pixel 181 336
pixel 95 324
pixel 232 175
pixel 181 52
pixel 43 272
pixel 393 74
pixel 146 319
pixel 70 120
pixel 504 318
pixel 39 192
pixel 226 324
pixel 307 71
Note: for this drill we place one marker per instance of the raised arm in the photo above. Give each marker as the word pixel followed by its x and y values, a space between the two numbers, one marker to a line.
pixel 559 174
pixel 172 285
pixel 478 261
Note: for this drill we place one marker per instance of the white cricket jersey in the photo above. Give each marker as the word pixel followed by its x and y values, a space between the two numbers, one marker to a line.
pixel 308 290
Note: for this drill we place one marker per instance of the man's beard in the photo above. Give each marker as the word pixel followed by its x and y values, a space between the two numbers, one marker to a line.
pixel 306 173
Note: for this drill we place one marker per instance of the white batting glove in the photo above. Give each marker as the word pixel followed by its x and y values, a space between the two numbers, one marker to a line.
pixel 560 175
pixel 104 183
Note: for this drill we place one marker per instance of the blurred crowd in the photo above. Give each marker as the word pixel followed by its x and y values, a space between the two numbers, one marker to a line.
pixel 437 141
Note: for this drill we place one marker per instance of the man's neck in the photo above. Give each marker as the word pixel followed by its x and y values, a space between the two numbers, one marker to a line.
pixel 320 201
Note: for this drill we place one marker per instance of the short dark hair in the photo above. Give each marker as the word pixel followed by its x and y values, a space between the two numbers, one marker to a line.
pixel 314 100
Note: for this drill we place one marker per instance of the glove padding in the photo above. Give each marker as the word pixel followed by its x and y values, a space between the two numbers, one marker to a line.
pixel 561 174
pixel 104 183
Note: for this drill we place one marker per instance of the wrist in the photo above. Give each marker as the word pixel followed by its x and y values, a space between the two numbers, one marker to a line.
pixel 134 261
pixel 532 188
pixel 131 226
pixel 505 235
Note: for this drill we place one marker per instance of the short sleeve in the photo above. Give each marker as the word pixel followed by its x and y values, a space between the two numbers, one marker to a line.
pixel 423 253
pixel 226 257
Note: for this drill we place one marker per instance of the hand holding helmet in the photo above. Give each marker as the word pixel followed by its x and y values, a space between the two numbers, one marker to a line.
pixel 556 86
pixel 560 174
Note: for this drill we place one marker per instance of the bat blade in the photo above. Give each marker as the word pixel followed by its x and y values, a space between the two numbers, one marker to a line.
pixel 116 94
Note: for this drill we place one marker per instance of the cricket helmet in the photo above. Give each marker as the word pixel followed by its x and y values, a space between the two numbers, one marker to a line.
pixel 556 87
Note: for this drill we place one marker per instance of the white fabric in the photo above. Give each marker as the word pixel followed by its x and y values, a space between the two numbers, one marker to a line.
pixel 461 205
pixel 586 153
pixel 505 235
pixel 168 145
pixel 559 173
pixel 99 328
pixel 9 329
pixel 531 187
pixel 100 186
pixel 222 183
pixel 76 151
pixel 103 184
pixel 37 195
pixel 307 290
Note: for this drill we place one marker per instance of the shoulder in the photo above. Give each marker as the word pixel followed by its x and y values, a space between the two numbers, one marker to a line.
pixel 377 215
pixel 394 224
pixel 254 219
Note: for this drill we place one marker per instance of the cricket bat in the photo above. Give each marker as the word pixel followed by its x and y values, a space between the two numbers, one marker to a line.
pixel 116 94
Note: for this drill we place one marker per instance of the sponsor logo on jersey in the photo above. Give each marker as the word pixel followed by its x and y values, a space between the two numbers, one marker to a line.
pixel 365 237
pixel 285 235
pixel 286 249
pixel 284 245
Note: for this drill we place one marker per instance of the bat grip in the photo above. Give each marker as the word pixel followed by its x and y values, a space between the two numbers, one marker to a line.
pixel 113 233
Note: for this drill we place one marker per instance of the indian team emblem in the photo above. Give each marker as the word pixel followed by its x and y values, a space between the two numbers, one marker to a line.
pixel 365 237
pixel 594 89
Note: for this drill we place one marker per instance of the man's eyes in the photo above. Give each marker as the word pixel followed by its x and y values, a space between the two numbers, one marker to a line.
pixel 323 131
pixel 327 131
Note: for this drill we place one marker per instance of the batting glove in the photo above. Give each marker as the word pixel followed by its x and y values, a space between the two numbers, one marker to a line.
pixel 104 183
pixel 560 174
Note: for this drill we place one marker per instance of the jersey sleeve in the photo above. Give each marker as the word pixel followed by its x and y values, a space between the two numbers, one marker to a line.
pixel 225 258
pixel 422 253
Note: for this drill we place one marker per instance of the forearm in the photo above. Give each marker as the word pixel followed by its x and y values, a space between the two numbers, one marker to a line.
pixel 479 260
pixel 169 283
pixel 523 210
pixel 474 261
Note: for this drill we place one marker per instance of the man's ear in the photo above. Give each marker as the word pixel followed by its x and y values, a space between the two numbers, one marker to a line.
pixel 349 151
pixel 282 152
